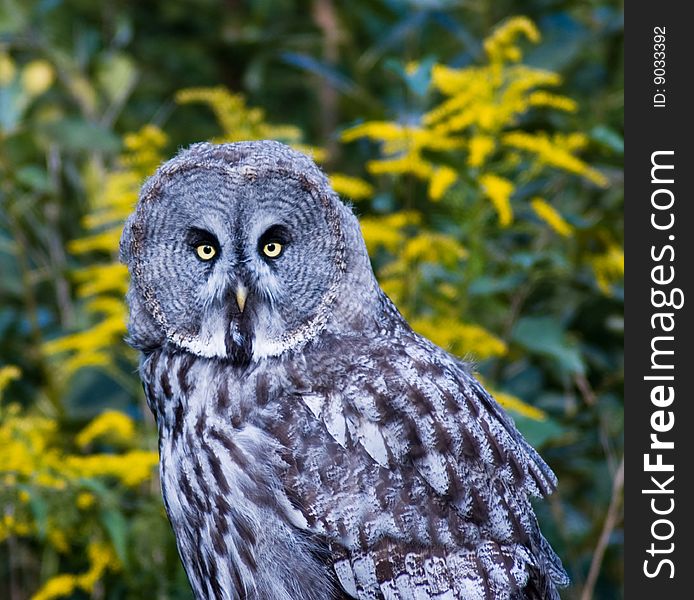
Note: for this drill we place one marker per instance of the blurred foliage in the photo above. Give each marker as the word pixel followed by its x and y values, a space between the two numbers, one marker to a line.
pixel 483 153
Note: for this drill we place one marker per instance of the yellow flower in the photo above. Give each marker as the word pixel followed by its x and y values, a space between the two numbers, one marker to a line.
pixel 608 267
pixel 89 347
pixel 105 241
pixel 545 99
pixel 25 444
pixel 47 480
pixel 351 187
pixel 131 468
pixel 85 500
pixel 434 248
pixel 463 338
pixel 111 425
pixel 8 373
pixel 101 557
pixel 238 121
pixel 480 147
pixel 317 154
pixel 500 46
pixel 399 166
pixel 486 98
pixel 572 141
pixel 442 179
pixel 555 152
pixel 375 130
pixel 37 77
pixel 403 147
pixel 387 231
pixel 57 539
pixel 7 69
pixel 57 587
pixel 515 404
pixel 101 279
pixel 499 191
pixel 550 216
pixel 147 138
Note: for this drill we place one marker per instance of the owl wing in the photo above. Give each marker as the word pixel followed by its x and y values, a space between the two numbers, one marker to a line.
pixel 446 513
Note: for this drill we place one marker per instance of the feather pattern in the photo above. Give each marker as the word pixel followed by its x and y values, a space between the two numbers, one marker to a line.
pixel 411 473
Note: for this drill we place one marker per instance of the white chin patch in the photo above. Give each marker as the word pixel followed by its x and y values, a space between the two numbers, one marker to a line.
pixel 210 342
pixel 265 348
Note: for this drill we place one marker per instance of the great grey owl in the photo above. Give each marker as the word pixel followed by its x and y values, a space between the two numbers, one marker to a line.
pixel 312 446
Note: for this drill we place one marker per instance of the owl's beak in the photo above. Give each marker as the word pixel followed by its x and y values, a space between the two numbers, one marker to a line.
pixel 241 295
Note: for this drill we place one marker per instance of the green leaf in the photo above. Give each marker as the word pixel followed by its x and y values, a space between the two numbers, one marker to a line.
pixel 537 433
pixel 35 178
pixel 13 102
pixel 546 336
pixel 117 529
pixel 487 285
pixel 39 510
pixel 609 138
pixel 79 135
pixel 117 75
pixel 417 81
pixel 329 74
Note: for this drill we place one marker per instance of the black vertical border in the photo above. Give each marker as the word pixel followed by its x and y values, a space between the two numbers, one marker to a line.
pixel 648 129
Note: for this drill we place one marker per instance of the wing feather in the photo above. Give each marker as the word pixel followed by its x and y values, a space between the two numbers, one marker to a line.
pixel 439 499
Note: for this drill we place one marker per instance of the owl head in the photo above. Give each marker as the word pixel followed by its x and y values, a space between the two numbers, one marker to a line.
pixel 242 251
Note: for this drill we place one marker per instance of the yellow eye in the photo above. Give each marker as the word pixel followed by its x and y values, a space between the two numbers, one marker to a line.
pixel 272 249
pixel 206 251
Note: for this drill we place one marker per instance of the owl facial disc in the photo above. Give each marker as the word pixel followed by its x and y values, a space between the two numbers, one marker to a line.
pixel 236 251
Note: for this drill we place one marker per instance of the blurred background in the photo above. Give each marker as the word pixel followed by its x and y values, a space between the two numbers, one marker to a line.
pixel 481 144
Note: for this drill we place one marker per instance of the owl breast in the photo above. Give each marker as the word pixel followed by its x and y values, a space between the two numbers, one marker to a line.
pixel 237 532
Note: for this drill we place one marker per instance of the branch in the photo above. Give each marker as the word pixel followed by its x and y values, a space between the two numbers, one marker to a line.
pixel 611 521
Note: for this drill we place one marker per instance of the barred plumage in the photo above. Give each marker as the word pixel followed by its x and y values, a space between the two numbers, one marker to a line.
pixel 312 445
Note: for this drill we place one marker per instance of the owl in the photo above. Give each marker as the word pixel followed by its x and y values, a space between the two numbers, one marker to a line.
pixel 312 445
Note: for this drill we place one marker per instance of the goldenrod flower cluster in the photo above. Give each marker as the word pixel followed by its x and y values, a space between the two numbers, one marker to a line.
pixel 471 143
pixel 473 127
pixel 103 284
pixel 499 190
pixel 501 45
pixel 241 123
pixel 101 558
pixel 40 467
pixel 555 151
pixel 608 265
pixel 549 215
pixel 404 147
pixel 8 373
pixel 110 425
pixel 32 453
pixel 460 337
pixel 387 231
pixel 515 404
pixel 353 188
